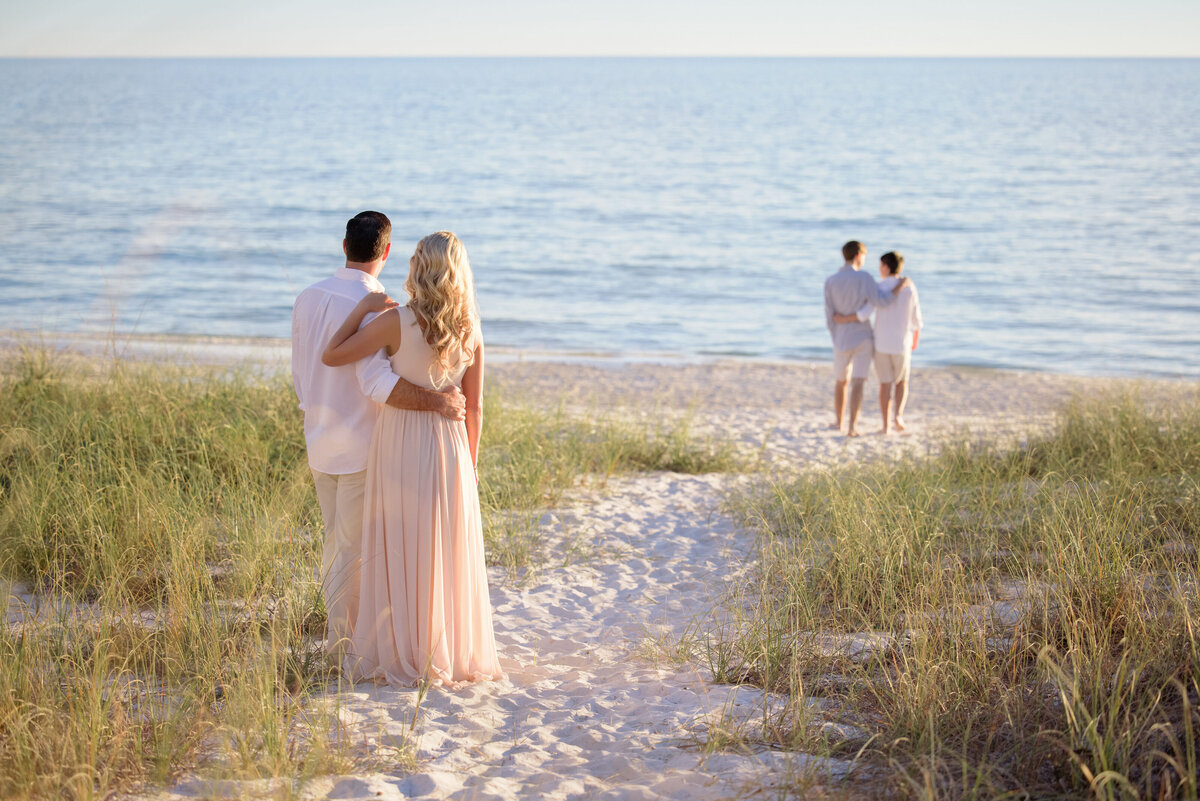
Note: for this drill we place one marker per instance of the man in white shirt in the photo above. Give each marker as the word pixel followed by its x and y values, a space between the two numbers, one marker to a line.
pixel 340 405
pixel 897 329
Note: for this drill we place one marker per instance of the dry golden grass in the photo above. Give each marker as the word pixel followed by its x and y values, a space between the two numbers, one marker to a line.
pixel 989 624
pixel 165 524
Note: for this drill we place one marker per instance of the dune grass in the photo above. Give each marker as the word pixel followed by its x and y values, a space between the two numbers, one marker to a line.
pixel 164 522
pixel 984 624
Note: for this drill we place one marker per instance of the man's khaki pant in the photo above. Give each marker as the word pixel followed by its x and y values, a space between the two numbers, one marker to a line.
pixel 341 499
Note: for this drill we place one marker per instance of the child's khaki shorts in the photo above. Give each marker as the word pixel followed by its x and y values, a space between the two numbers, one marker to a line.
pixel 892 367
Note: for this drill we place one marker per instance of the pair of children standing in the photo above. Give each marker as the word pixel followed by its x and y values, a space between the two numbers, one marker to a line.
pixel 850 298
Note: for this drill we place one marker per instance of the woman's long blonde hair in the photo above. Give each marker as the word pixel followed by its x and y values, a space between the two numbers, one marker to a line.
pixel 441 293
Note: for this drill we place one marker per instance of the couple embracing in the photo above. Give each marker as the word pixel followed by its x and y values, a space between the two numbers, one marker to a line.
pixel 850 298
pixel 392 406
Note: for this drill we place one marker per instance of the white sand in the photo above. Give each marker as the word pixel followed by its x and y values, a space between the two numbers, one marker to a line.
pixel 590 709
pixel 785 409
pixel 584 712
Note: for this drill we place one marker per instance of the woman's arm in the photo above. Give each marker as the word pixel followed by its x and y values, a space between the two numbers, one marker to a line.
pixel 472 387
pixel 349 344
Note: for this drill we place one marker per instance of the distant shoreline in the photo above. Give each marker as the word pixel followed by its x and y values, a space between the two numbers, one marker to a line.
pixel 603 57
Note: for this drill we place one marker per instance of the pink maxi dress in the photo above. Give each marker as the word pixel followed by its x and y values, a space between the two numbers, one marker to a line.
pixel 424 610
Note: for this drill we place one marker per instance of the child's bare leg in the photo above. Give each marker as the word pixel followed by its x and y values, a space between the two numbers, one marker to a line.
pixel 901 399
pixel 885 403
pixel 839 403
pixel 856 397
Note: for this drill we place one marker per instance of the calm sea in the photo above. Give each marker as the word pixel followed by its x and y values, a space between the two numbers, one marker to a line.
pixel 1049 210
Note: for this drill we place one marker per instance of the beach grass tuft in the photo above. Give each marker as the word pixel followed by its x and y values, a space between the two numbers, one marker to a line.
pixel 160 541
pixel 987 623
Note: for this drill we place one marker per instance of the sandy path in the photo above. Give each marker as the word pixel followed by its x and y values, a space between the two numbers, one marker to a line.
pixel 585 712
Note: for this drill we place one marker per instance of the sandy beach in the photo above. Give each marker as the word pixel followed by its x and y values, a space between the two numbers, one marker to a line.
pixel 600 701
pixel 595 704
pixel 784 409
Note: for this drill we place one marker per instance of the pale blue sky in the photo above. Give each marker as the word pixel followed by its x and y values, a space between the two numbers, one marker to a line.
pixel 609 27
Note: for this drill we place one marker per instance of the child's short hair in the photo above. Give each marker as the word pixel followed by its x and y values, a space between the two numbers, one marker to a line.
pixel 893 261
pixel 853 249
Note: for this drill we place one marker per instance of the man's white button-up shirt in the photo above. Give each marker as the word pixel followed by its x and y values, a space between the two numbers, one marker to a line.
pixel 339 403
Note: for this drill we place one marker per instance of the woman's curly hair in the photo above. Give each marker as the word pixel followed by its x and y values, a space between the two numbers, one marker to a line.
pixel 441 293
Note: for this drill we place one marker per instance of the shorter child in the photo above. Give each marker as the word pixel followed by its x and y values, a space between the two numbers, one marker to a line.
pixel 897 330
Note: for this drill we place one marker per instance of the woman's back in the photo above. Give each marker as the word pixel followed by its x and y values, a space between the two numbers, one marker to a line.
pixel 414 360
pixel 424 611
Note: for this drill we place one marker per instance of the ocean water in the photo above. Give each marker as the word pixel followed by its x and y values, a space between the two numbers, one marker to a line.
pixel 1049 210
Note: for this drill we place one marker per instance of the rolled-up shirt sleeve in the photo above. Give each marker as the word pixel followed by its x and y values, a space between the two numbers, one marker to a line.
pixel 828 307
pixel 877 296
pixel 374 373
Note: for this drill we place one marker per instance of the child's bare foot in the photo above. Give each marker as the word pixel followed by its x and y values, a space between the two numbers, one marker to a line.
pixel 883 431
pixel 835 426
pixel 853 433
pixel 900 425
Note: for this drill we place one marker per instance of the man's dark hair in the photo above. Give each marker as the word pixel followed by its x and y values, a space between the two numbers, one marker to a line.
pixel 851 249
pixel 893 261
pixel 367 236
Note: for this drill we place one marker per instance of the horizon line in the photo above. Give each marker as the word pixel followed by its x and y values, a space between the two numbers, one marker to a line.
pixel 631 56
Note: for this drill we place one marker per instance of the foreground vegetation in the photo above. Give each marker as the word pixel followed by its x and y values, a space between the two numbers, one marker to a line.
pixel 987 624
pixel 166 524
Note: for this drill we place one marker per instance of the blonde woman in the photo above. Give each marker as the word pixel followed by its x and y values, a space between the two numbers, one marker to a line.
pixel 424 611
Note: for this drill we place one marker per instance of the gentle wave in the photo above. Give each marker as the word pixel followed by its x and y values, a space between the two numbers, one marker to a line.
pixel 681 206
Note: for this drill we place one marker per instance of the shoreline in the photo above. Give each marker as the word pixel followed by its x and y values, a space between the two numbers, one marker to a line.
pixel 262 352
pixel 776 413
